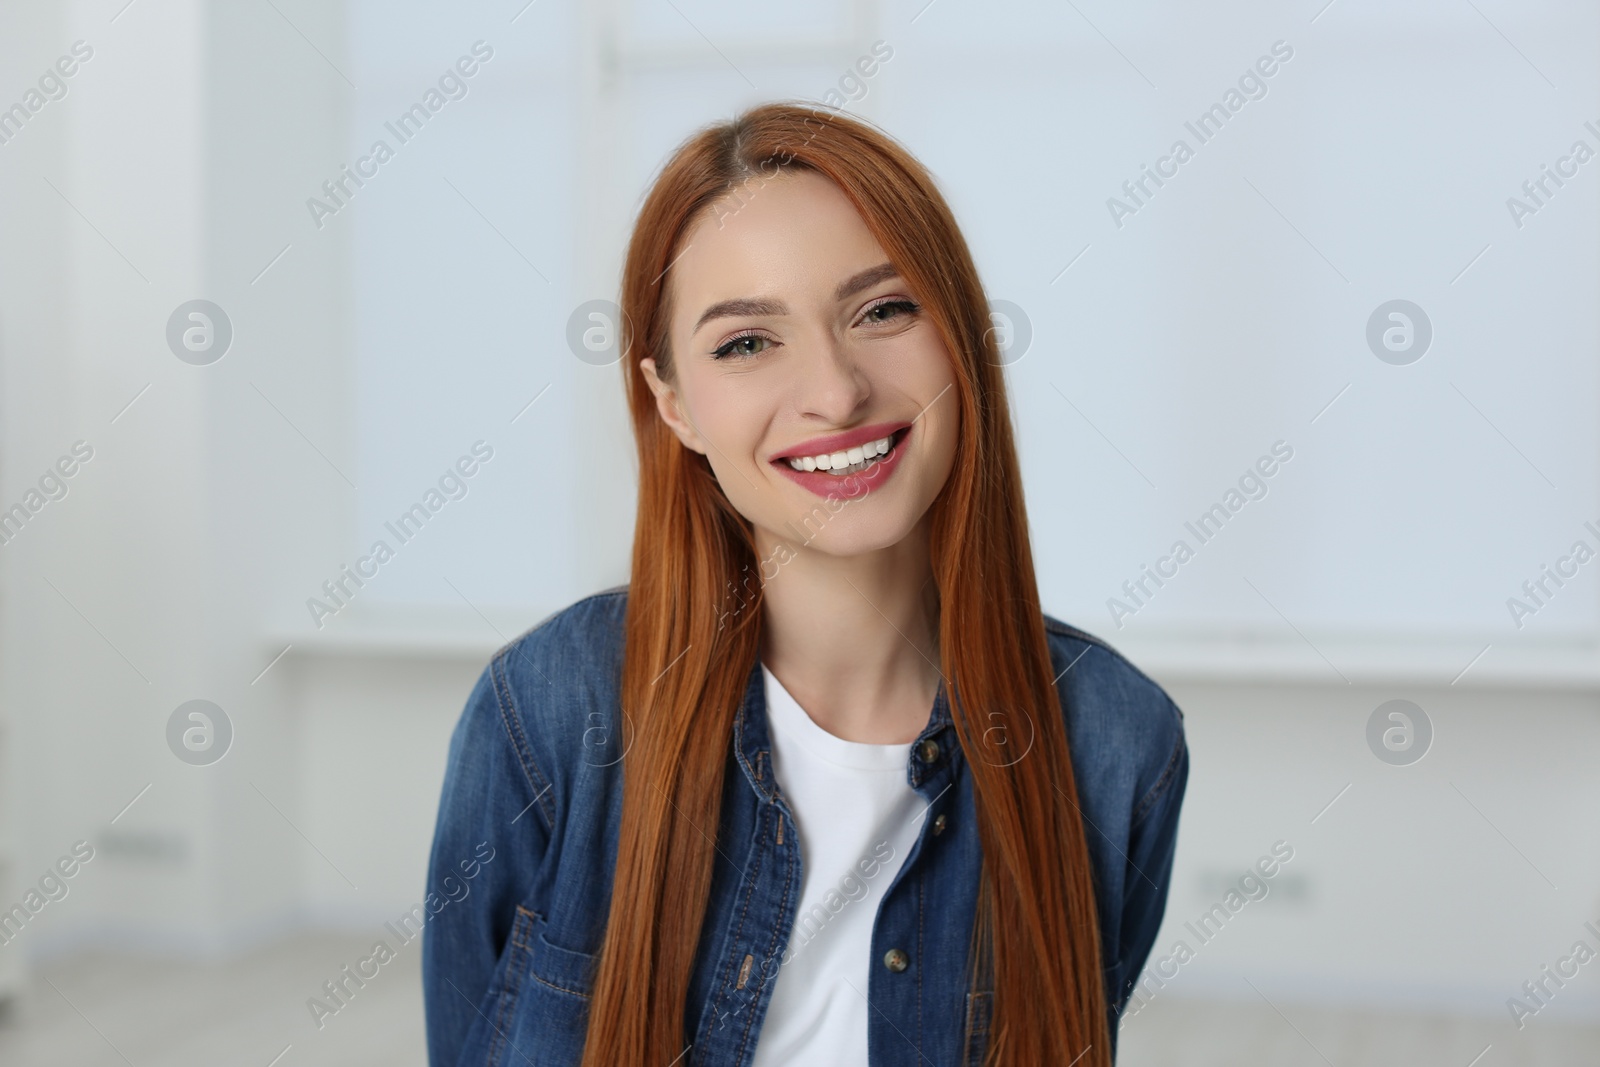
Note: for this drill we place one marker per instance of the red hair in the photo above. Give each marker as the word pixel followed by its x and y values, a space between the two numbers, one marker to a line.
pixel 1036 917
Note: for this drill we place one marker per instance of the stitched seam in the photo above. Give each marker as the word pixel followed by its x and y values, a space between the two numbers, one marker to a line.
pixel 1063 630
pixel 537 977
pixel 497 1038
pixel 763 789
pixel 522 940
pixel 977 1038
pixel 922 942
pixel 614 591
pixel 519 743
pixel 526 944
pixel 513 984
pixel 1161 785
pixel 788 886
pixel 966 1056
pixel 744 910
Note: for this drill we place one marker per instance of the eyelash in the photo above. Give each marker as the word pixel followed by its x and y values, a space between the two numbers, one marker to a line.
pixel 725 350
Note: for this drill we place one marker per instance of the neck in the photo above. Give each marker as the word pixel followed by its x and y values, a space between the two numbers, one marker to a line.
pixel 855 639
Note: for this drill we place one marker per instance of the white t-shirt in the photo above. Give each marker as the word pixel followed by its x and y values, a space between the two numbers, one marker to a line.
pixel 858 818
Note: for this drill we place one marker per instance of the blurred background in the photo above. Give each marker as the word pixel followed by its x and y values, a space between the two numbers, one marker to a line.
pixel 1341 345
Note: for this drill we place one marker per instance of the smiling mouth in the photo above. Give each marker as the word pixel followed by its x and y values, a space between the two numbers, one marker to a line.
pixel 808 463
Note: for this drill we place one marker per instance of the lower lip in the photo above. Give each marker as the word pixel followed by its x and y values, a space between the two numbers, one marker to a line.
pixel 831 485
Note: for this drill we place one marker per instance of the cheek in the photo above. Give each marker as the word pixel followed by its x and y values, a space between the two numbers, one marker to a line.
pixel 730 413
pixel 943 451
pixel 734 419
pixel 942 417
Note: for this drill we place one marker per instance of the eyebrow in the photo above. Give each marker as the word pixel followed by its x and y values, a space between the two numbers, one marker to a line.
pixel 763 306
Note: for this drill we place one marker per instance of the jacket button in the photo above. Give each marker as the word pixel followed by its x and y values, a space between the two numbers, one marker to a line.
pixel 938 823
pixel 929 750
pixel 895 960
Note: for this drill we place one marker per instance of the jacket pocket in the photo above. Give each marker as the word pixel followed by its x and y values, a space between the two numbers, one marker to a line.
pixel 541 1013
pixel 976 1027
pixel 564 970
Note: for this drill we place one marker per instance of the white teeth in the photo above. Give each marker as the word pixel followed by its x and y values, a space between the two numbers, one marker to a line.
pixel 846 462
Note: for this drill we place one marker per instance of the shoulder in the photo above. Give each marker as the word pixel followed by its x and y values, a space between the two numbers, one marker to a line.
pixel 1124 728
pixel 546 689
pixel 576 640
pixel 571 653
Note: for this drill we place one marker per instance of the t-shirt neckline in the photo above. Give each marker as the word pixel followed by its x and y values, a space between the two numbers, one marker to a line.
pixel 785 714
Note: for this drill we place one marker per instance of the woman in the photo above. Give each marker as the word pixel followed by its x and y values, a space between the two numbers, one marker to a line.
pixel 725 826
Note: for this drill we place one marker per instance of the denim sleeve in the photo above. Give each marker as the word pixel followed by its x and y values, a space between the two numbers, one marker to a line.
pixel 493 820
pixel 1152 841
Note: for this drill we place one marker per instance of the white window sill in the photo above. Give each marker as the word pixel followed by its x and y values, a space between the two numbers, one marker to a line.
pixel 462 634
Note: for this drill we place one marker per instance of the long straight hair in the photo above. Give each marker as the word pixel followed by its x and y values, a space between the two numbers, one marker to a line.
pixel 689 657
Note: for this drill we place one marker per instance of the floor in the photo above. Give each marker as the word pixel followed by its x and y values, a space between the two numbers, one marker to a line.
pixel 117 1011
pixel 1187 1033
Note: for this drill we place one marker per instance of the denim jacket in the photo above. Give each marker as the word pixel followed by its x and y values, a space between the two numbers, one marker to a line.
pixel 534 782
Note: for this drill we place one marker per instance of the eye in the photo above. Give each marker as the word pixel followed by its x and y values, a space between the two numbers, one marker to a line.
pixel 737 347
pixel 893 308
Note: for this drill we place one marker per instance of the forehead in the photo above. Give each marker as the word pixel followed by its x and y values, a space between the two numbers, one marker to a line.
pixel 794 234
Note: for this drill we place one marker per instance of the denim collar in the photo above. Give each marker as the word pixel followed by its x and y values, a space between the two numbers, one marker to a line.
pixel 753 745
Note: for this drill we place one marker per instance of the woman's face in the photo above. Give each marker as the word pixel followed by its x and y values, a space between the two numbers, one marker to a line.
pixel 793 337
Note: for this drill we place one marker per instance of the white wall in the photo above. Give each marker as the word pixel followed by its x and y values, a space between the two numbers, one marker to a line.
pixel 1403 893
pixel 170 146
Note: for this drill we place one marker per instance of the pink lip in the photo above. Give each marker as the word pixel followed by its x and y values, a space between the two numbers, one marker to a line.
pixel 840 442
pixel 828 485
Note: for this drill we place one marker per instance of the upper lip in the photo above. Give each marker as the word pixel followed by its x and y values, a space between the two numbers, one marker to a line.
pixel 841 442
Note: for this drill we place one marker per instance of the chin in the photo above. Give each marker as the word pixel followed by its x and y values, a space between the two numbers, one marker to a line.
pixel 864 533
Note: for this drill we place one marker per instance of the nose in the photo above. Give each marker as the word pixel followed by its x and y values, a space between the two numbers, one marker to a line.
pixel 831 386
